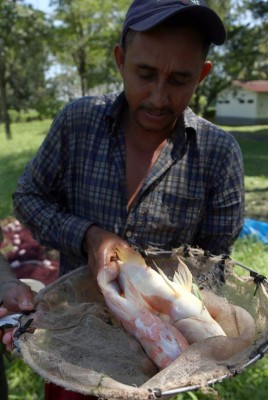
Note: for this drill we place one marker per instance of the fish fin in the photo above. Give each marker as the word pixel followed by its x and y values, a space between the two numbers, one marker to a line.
pixel 183 276
pixel 128 255
pixel 167 280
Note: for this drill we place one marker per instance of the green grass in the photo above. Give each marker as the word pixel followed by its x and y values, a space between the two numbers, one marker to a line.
pixel 24 384
pixel 14 155
pixel 254 129
pixel 253 141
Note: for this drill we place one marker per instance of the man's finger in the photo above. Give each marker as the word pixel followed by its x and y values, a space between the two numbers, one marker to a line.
pixel 8 340
pixel 3 311
pixel 19 298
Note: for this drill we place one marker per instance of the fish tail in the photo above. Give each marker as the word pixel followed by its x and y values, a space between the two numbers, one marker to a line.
pixel 168 281
pixel 183 276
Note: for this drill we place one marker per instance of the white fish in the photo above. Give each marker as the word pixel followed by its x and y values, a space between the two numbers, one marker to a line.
pixel 172 300
pixel 161 341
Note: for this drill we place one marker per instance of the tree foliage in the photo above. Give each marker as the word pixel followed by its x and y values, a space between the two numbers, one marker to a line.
pixel 79 36
pixel 23 57
pixel 242 57
pixel 259 9
pixel 85 32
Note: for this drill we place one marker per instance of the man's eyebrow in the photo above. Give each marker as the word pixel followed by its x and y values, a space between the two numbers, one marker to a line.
pixel 182 74
pixel 146 66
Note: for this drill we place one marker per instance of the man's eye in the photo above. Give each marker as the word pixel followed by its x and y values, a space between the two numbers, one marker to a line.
pixel 178 82
pixel 146 76
pixel 175 82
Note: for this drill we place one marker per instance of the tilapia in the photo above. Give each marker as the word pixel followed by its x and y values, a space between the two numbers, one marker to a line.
pixel 166 316
pixel 173 301
pixel 162 342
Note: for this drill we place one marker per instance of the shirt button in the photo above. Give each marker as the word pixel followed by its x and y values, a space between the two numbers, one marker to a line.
pixel 128 234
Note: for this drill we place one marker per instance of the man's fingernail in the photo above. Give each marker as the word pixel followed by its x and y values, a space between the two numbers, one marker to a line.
pixel 27 303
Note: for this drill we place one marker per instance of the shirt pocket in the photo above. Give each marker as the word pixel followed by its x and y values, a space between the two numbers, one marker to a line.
pixel 175 215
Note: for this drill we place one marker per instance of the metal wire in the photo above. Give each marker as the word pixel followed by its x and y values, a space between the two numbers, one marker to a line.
pixel 261 351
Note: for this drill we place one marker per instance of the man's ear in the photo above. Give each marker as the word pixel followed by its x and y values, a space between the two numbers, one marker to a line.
pixel 119 57
pixel 206 70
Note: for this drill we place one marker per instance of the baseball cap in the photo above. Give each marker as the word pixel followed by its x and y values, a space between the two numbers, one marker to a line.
pixel 143 15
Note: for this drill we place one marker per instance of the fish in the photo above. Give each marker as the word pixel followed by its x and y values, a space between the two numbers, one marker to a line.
pixel 236 321
pixel 161 341
pixel 172 300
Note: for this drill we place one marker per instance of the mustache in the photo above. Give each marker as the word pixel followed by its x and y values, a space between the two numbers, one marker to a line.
pixel 157 111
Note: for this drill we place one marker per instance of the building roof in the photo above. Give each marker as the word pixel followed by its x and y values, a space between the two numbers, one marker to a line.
pixel 260 86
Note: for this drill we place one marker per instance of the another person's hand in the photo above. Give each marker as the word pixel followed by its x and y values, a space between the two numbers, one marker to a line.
pixel 100 246
pixel 4 313
pixel 18 297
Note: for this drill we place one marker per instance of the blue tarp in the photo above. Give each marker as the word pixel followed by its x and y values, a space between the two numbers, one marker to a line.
pixel 258 229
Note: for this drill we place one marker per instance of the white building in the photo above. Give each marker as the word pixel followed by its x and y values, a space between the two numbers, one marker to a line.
pixel 244 103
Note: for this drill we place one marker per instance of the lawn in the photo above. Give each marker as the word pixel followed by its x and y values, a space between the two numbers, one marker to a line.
pixel 253 141
pixel 251 384
pixel 14 154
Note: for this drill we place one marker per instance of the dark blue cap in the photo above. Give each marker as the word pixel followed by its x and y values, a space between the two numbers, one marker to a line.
pixel 146 14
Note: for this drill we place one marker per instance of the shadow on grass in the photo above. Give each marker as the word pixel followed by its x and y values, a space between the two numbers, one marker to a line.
pixel 255 154
pixel 13 165
pixel 258 134
pixel 257 190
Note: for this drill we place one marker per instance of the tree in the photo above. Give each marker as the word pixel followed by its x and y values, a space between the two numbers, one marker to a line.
pixel 243 56
pixel 259 9
pixel 85 32
pixel 23 57
pixel 217 80
pixel 7 15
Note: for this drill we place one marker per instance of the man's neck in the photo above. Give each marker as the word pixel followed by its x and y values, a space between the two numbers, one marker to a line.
pixel 143 148
pixel 143 140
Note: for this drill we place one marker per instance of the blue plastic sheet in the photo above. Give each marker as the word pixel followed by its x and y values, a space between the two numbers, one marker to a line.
pixel 257 229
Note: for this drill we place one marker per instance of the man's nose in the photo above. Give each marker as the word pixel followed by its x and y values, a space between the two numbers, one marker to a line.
pixel 159 95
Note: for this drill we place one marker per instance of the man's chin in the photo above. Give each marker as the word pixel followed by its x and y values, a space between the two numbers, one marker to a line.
pixel 156 128
pixel 155 122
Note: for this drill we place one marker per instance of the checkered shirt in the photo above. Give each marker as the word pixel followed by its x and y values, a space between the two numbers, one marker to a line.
pixel 193 194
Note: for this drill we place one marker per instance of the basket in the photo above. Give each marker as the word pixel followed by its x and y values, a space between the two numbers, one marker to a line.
pixel 73 341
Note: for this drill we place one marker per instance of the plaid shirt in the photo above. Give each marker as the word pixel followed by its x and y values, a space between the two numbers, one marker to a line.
pixel 193 194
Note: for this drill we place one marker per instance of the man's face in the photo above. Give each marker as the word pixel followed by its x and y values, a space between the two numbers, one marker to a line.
pixel 160 72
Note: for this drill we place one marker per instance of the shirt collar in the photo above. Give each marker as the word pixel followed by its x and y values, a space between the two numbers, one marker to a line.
pixel 190 123
pixel 186 126
pixel 115 111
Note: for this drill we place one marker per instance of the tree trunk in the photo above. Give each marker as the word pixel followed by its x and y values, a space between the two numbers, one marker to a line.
pixel 83 86
pixel 3 101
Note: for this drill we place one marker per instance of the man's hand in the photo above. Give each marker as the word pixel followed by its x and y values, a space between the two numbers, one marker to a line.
pixel 100 246
pixel 18 297
pixel 6 336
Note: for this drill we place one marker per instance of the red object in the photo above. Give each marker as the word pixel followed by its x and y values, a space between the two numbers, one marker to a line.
pixel 54 392
pixel 259 86
pixel 27 258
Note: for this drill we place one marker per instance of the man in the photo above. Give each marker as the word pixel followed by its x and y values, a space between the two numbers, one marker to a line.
pixel 9 282
pixel 139 168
